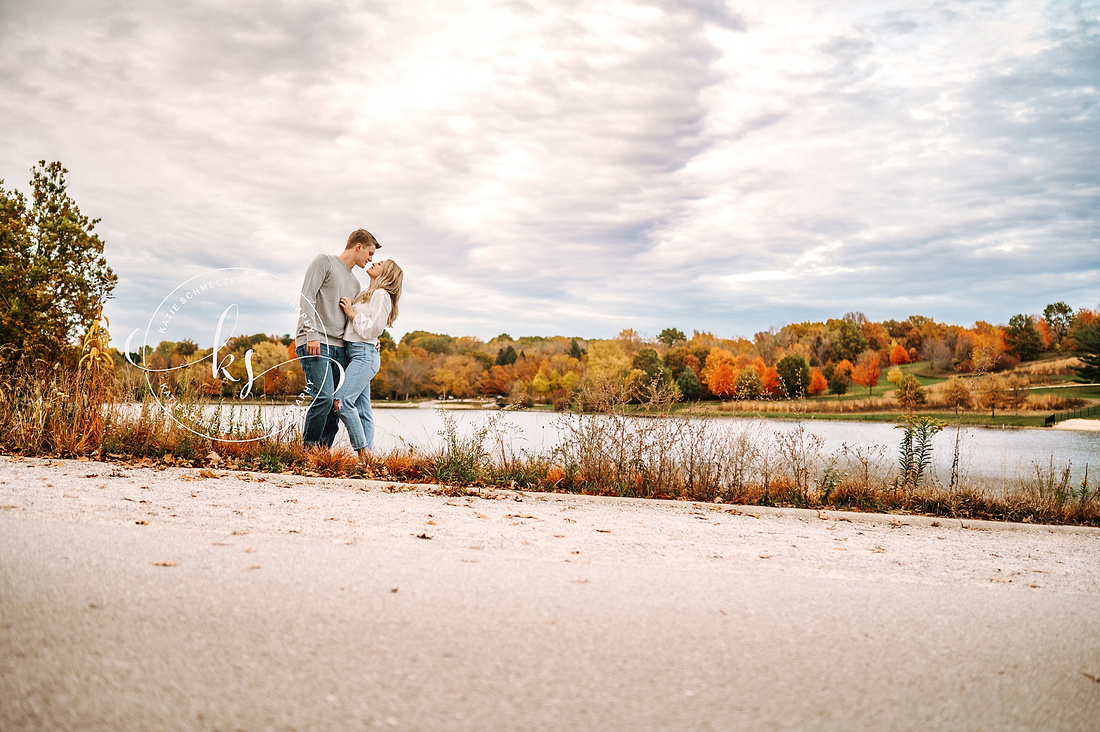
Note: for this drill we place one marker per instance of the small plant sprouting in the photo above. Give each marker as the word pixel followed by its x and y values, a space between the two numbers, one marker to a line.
pixel 915 454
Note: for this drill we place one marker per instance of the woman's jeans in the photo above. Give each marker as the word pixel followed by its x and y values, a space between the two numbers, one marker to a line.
pixel 354 395
pixel 322 374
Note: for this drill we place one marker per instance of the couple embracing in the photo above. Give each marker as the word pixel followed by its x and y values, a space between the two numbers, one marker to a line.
pixel 338 329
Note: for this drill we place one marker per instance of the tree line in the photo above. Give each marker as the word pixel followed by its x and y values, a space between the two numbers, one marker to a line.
pixel 796 361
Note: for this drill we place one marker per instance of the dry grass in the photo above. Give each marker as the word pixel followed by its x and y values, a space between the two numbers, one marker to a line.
pixel 612 452
pixel 802 406
pixel 1056 367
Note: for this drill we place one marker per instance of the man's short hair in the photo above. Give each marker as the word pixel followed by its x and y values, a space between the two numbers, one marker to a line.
pixel 362 236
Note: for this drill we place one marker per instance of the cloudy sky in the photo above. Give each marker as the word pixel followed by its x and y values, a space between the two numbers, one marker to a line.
pixel 578 167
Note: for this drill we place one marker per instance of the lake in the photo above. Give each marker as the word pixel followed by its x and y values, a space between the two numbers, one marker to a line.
pixel 985 452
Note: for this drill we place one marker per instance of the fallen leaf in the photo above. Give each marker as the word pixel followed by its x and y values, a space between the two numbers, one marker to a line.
pixel 1091 677
pixel 165 563
pixel 432 523
pixel 422 536
pixel 142 523
pixel 90 475
pixel 9 506
pixel 603 531
pixel 480 515
pixel 765 556
pixel 878 550
pixel 254 566
pixel 208 473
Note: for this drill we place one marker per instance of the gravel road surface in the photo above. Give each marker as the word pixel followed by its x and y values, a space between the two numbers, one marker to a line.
pixel 141 598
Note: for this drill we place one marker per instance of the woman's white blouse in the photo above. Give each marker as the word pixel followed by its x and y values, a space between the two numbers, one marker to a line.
pixel 370 319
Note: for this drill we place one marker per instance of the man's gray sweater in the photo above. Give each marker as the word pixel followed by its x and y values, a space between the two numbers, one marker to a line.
pixel 320 317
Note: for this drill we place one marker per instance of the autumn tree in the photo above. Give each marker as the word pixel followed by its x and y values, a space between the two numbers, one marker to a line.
pixel 497 381
pixel 1022 338
pixel 671 336
pixel 818 384
pixel 53 277
pixel 794 374
pixel 898 355
pixel 716 358
pixel 689 385
pixel 909 393
pixel 458 376
pixel 649 361
pixel 409 370
pixel 839 377
pixel 773 385
pixel 1058 317
pixel 991 393
pixel 956 394
pixel 749 385
pixel 607 361
pixel 676 359
pixel 849 338
pixel 1087 341
pixel 867 371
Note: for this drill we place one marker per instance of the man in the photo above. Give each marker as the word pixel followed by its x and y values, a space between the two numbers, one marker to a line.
pixel 318 340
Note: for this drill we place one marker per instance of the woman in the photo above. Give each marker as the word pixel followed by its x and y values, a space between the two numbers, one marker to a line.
pixel 369 314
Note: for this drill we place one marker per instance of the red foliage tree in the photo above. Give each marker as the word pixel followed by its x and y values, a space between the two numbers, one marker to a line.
pixel 773 385
pixel 898 355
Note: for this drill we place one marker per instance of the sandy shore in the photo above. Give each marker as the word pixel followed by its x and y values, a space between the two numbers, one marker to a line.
pixel 134 597
pixel 1080 425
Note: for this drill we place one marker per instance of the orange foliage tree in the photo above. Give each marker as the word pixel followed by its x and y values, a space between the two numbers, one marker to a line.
pixel 717 358
pixel 867 370
pixel 722 381
pixel 818 384
pixel 898 355
pixel 773 385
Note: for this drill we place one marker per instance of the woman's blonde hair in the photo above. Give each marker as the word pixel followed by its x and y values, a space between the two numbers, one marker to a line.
pixel 390 280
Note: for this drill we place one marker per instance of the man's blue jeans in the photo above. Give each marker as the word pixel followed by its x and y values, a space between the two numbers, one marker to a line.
pixel 322 375
pixel 354 395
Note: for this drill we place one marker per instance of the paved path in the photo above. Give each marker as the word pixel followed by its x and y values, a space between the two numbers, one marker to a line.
pixel 293 603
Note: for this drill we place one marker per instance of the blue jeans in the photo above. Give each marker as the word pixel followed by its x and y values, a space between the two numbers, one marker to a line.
pixel 322 375
pixel 354 395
